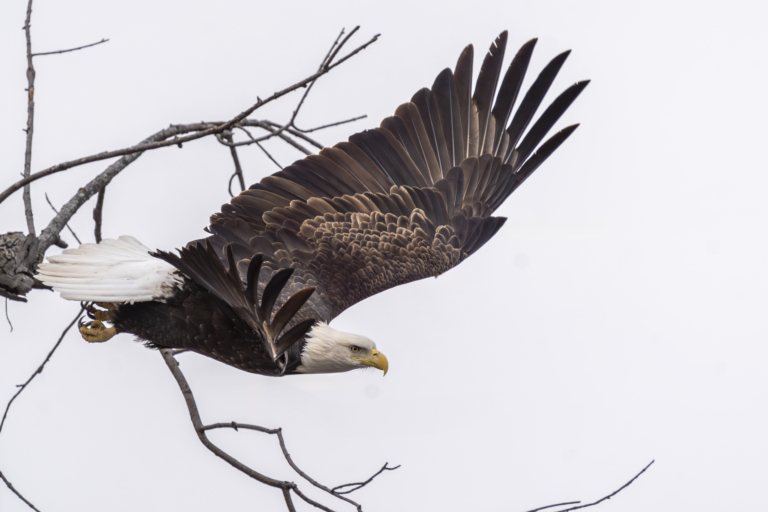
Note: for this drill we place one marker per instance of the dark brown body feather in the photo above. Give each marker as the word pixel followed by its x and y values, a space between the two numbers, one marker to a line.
pixel 408 200
pixel 192 318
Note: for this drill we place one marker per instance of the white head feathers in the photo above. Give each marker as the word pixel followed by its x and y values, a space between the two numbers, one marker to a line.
pixel 329 351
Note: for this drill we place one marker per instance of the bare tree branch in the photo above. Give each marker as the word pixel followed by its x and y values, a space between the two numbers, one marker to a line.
pixel 279 433
pixel 194 415
pixel 338 46
pixel 327 55
pixel 290 486
pixel 269 156
pixel 227 136
pixel 70 49
pixel 614 493
pixel 300 135
pixel 8 318
pixel 39 368
pixel 250 136
pixel 313 502
pixel 57 212
pixel 17 493
pixel 272 132
pixel 290 125
pixel 22 388
pixel 555 505
pixel 216 128
pixel 18 267
pixel 360 485
pixel 97 213
pixel 30 122
pixel 330 125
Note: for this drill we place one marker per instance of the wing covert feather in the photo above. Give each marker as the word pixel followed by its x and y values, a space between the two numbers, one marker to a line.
pixel 408 200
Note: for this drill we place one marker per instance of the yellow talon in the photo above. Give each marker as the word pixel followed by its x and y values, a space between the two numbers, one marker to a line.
pixel 96 332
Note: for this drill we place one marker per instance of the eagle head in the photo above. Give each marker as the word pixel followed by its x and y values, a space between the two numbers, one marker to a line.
pixel 330 351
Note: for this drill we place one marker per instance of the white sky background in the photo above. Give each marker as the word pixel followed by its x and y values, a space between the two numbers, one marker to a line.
pixel 618 317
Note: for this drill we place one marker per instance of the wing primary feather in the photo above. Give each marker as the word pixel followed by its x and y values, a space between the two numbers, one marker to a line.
pixel 232 270
pixel 542 154
pixel 510 87
pixel 410 115
pixel 447 99
pixel 252 279
pixel 293 335
pixel 272 292
pixel 428 110
pixel 532 100
pixel 463 78
pixel 550 116
pixel 290 308
pixel 485 89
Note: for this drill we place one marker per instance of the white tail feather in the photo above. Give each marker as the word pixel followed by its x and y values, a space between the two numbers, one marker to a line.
pixel 112 271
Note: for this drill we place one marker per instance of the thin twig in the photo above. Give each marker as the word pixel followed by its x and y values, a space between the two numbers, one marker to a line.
pixel 227 136
pixel 614 493
pixel 17 493
pixel 97 215
pixel 39 368
pixel 300 135
pixel 353 52
pixel 267 126
pixel 279 433
pixel 194 415
pixel 326 66
pixel 269 156
pixel 250 136
pixel 555 505
pixel 340 45
pixel 6 314
pixel 360 485
pixel 331 125
pixel 49 234
pixel 57 212
pixel 70 49
pixel 312 502
pixel 293 131
pixel 217 128
pixel 30 122
pixel 331 49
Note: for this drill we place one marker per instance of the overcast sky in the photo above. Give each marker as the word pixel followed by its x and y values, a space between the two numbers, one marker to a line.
pixel 618 317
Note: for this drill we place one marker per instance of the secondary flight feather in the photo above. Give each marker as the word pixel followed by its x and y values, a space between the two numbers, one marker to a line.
pixel 405 201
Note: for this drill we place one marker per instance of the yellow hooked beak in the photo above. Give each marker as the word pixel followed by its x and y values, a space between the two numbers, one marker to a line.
pixel 377 360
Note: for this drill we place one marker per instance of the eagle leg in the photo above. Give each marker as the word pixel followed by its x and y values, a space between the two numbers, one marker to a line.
pixel 96 332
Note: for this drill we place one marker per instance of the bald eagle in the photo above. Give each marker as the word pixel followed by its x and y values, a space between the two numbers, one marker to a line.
pixel 410 199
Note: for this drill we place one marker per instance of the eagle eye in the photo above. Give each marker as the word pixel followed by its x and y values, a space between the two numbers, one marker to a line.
pixel 355 348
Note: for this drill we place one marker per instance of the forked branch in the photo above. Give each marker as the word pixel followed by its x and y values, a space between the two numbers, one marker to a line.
pixel 587 505
pixel 212 130
pixel 286 487
pixel 22 387
pixel 16 278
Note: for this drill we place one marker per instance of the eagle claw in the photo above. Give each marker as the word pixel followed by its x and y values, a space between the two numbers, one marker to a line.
pixel 95 331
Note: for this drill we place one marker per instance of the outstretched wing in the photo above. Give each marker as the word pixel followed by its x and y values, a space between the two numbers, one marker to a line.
pixel 408 200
